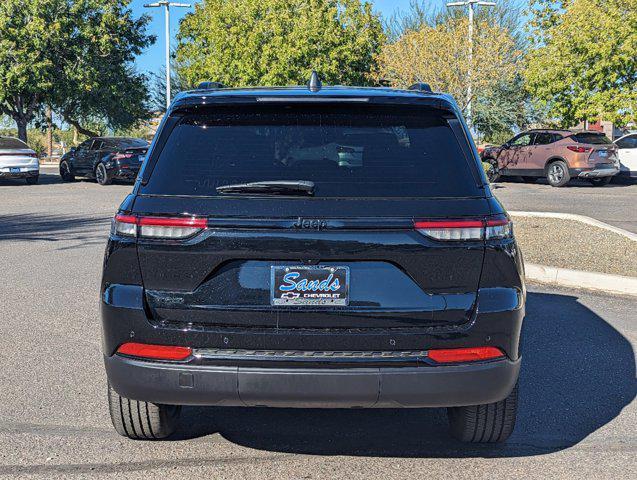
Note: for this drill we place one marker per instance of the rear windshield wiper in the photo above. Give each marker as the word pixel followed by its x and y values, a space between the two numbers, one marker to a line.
pixel 274 187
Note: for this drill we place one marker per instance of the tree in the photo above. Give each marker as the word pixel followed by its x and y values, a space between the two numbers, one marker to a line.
pixel 585 67
pixel 98 83
pixel 158 85
pixel 439 55
pixel 430 45
pixel 74 55
pixel 278 42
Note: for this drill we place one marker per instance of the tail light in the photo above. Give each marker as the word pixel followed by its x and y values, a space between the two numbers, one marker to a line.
pixel 121 156
pixel 576 149
pixel 158 227
pixel 154 352
pixel 466 229
pixel 472 354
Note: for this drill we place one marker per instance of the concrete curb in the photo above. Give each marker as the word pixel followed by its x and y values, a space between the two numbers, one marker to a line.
pixel 580 279
pixel 578 218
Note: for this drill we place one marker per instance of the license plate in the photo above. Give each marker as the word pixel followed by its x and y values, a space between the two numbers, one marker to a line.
pixel 603 153
pixel 141 158
pixel 305 285
pixel 14 170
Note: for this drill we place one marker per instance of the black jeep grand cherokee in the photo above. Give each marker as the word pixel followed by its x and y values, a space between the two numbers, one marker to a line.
pixel 325 247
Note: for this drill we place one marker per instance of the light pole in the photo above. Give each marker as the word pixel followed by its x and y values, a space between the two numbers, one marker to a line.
pixel 167 5
pixel 472 4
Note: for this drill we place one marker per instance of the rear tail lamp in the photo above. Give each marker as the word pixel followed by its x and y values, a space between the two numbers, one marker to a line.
pixel 472 354
pixel 158 227
pixel 154 352
pixel 575 148
pixel 466 229
pixel 120 156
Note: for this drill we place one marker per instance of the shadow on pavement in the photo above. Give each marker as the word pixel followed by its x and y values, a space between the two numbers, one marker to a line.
pixel 578 373
pixel 52 228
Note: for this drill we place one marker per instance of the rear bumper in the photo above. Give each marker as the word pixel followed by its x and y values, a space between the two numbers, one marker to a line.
pixel 384 387
pixel 23 173
pixel 599 173
pixel 124 173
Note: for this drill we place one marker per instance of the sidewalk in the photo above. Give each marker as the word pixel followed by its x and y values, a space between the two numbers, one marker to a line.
pixel 565 250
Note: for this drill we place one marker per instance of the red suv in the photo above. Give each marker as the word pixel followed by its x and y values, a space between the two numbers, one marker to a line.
pixel 557 155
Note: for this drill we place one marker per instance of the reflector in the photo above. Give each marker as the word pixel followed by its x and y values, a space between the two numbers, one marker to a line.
pixel 156 352
pixel 471 354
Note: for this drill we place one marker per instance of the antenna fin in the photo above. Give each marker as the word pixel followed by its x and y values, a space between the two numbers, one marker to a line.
pixel 314 84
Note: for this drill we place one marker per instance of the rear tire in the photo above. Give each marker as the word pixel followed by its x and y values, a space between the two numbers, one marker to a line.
pixel 488 423
pixel 557 173
pixel 101 175
pixel 141 420
pixel 600 182
pixel 65 172
pixel 33 180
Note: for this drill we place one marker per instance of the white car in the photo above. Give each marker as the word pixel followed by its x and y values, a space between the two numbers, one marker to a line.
pixel 17 160
pixel 627 153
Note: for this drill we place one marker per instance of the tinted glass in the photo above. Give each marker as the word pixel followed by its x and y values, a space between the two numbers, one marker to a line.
pixel 543 138
pixel 592 138
pixel 628 142
pixel 6 142
pixel 522 140
pixel 127 143
pixel 361 151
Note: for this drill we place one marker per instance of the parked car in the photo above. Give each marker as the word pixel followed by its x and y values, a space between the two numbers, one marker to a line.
pixel 105 159
pixel 627 153
pixel 557 155
pixel 17 160
pixel 242 271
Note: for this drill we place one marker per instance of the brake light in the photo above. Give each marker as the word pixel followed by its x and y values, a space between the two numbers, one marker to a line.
pixel 471 354
pixel 451 229
pixel 158 227
pixel 120 156
pixel 575 148
pixel 466 229
pixel 155 352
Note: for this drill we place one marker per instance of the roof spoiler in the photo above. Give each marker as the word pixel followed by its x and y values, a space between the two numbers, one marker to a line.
pixel 210 86
pixel 421 87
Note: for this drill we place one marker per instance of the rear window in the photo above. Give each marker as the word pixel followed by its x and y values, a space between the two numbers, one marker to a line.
pixel 591 138
pixel 126 143
pixel 12 143
pixel 347 151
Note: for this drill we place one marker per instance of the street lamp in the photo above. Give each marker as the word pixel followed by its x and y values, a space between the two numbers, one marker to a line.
pixel 167 5
pixel 471 4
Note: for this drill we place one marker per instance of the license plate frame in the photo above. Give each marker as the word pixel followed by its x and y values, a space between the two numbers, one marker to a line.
pixel 324 286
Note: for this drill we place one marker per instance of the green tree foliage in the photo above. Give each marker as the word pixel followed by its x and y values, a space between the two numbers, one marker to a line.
pixel 585 63
pixel 278 42
pixel 75 55
pixel 430 45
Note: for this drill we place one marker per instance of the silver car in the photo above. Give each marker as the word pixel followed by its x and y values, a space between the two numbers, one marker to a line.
pixel 17 160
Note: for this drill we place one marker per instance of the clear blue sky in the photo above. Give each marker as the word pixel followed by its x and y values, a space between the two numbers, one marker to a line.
pixel 153 58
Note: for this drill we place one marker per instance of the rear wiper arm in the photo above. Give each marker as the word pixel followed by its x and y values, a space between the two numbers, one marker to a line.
pixel 273 187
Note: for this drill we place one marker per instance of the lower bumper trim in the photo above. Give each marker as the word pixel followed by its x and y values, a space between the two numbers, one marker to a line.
pixel 598 173
pixel 378 387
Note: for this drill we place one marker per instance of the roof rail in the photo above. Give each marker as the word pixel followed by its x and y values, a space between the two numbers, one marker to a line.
pixel 210 85
pixel 421 87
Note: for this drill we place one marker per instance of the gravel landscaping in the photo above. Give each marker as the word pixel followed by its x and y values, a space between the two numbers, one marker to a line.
pixel 575 245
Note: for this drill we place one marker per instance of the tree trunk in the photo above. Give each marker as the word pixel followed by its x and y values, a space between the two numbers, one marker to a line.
pixel 79 128
pixel 49 132
pixel 22 129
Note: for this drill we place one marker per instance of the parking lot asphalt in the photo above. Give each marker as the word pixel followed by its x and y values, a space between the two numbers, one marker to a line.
pixel 615 204
pixel 577 415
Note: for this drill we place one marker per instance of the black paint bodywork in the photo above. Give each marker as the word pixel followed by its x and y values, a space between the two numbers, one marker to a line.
pixel 211 291
pixel 83 160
